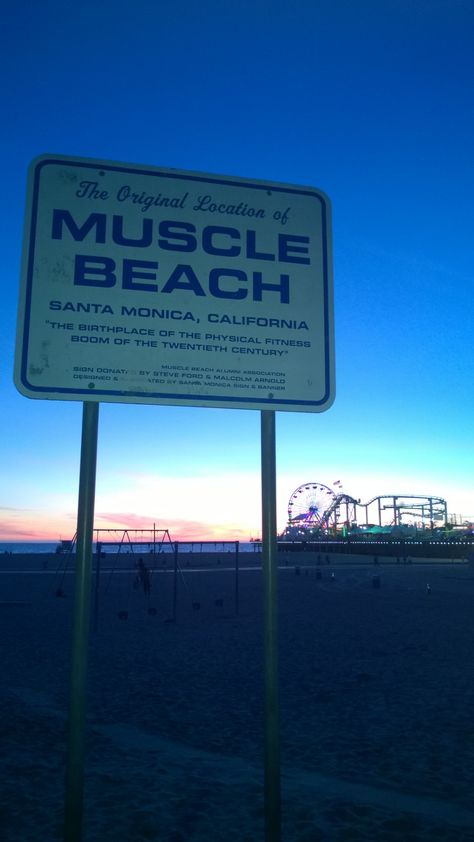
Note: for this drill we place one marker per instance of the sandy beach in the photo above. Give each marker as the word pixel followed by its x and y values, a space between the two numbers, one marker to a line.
pixel 377 694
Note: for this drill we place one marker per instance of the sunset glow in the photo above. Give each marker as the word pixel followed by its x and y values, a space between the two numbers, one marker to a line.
pixel 372 105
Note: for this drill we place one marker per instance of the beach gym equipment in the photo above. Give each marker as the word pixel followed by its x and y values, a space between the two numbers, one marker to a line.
pixel 124 547
pixel 192 576
pixel 125 542
pixel 128 572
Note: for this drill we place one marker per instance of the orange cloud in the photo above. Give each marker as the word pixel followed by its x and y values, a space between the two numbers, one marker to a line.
pixel 29 525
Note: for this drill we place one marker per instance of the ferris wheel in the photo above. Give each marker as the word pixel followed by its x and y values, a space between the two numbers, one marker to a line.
pixel 309 505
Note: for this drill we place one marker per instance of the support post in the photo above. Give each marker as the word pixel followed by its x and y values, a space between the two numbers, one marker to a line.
pixel 98 552
pixel 270 587
pixel 175 582
pixel 236 578
pixel 73 806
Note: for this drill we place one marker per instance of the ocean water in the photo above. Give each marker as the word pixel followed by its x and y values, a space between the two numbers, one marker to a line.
pixel 33 547
pixel 28 547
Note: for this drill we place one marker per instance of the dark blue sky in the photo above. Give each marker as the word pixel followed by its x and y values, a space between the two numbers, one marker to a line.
pixel 373 103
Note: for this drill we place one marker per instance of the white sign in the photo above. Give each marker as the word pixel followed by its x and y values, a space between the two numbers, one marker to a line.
pixel 147 285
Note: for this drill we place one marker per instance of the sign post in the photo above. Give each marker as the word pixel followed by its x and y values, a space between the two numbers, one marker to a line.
pixel 160 286
pixel 270 596
pixel 81 627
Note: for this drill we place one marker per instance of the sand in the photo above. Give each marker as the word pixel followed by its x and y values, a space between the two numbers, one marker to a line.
pixel 377 694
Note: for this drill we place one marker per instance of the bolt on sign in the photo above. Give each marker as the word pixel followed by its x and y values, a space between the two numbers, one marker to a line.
pixel 149 285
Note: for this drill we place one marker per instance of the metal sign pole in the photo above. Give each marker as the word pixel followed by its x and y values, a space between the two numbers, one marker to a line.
pixel 236 595
pixel 98 553
pixel 175 582
pixel 270 583
pixel 82 599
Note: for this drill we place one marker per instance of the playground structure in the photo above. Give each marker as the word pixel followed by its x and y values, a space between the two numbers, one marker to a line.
pixel 134 558
pixel 142 572
pixel 315 510
pixel 145 540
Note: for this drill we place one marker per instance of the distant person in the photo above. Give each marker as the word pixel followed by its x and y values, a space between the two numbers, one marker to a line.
pixel 144 577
